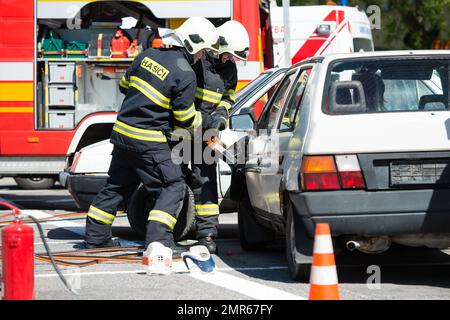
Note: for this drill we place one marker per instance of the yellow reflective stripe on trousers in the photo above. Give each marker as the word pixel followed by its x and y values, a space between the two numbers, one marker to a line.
pixel 208 95
pixel 124 83
pixel 183 115
pixel 100 215
pixel 207 209
pixel 163 217
pixel 197 121
pixel 139 134
pixel 147 90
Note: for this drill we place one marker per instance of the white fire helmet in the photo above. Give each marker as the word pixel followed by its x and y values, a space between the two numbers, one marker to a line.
pixel 234 39
pixel 198 33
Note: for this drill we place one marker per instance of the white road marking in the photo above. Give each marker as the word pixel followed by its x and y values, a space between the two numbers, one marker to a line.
pixel 54 242
pixel 53 275
pixel 69 225
pixel 178 270
pixel 59 201
pixel 246 287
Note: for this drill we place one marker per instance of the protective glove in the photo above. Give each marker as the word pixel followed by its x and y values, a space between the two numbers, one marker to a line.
pixel 219 119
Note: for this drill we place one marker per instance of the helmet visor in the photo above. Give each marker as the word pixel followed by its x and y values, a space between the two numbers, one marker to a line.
pixel 215 46
pixel 243 55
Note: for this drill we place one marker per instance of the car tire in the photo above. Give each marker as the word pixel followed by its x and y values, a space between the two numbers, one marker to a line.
pixel 298 271
pixel 252 235
pixel 139 208
pixel 35 183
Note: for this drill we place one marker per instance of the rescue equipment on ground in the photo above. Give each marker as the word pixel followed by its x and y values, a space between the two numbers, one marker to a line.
pixel 18 264
pixel 158 259
pixel 119 45
pixel 18 257
pixel 200 257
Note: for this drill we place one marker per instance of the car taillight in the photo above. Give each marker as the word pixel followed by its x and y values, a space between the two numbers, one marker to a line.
pixel 319 173
pixel 331 173
pixel 350 172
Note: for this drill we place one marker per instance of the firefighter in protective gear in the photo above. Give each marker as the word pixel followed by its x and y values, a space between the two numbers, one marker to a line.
pixel 216 84
pixel 159 87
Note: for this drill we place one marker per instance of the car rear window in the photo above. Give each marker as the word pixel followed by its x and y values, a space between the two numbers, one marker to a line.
pixel 380 86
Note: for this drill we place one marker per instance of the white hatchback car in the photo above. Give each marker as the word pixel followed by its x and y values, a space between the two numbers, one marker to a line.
pixel 363 144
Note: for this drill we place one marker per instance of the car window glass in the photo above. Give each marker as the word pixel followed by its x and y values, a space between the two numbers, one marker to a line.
pixel 367 86
pixel 260 105
pixel 289 117
pixel 253 84
pixel 277 102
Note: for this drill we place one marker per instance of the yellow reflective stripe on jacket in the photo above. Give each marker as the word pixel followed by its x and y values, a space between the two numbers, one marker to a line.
pixel 183 115
pixel 207 209
pixel 124 83
pixel 208 95
pixel 229 94
pixel 139 134
pixel 100 215
pixel 197 121
pixel 147 90
pixel 225 105
pixel 163 217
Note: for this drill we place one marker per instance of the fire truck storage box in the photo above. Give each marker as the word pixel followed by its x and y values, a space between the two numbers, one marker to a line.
pixel 64 119
pixel 61 95
pixel 76 49
pixel 61 72
pixel 52 47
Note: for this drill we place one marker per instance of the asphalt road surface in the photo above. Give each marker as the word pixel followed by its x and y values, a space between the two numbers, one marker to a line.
pixel 404 273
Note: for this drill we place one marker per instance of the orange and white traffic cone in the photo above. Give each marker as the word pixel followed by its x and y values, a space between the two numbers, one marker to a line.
pixel 324 280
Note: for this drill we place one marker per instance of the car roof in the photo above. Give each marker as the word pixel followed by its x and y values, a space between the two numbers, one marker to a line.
pixel 371 54
pixel 386 54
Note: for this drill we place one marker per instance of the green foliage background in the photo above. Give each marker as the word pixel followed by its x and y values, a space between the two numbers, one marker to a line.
pixel 405 24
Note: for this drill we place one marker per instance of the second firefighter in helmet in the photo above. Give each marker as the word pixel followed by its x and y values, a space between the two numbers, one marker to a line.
pixel 217 79
pixel 159 90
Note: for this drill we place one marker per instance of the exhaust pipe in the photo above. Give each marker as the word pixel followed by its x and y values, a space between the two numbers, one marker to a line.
pixel 372 245
pixel 352 245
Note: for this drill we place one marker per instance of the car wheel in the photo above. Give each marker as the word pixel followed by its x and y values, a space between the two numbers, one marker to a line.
pixel 35 183
pixel 139 207
pixel 298 271
pixel 252 235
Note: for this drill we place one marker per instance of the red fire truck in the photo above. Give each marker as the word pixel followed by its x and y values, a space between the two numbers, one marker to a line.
pixel 59 78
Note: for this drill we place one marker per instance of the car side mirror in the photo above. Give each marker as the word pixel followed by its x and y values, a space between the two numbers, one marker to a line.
pixel 242 122
pixel 347 97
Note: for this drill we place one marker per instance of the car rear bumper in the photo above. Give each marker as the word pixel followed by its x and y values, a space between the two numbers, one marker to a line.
pixel 84 188
pixel 375 213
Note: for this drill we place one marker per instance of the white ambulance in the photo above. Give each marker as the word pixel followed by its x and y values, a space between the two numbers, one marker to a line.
pixel 319 30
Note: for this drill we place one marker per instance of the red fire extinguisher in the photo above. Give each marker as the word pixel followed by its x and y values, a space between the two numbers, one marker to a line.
pixel 18 262
pixel 119 45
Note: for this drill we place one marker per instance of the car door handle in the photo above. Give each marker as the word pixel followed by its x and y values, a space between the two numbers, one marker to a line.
pixel 253 169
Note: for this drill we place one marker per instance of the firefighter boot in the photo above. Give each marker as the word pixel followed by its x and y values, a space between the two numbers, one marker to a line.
pixel 107 244
pixel 209 243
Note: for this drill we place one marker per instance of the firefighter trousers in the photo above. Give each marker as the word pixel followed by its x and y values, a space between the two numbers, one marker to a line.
pixel 164 182
pixel 202 178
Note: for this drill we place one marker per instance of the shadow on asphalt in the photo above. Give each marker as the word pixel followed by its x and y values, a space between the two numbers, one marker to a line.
pixel 43 202
pixel 400 265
